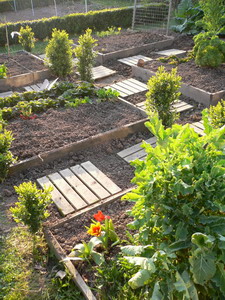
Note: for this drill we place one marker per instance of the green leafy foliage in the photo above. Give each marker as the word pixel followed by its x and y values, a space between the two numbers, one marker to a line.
pixel 59 53
pixel 163 91
pixel 110 31
pixel 85 251
pixel 6 157
pixel 179 214
pixel 85 55
pixel 215 114
pixel 186 16
pixel 3 71
pixel 213 19
pixel 31 209
pixel 26 38
pixel 209 50
pixel 63 94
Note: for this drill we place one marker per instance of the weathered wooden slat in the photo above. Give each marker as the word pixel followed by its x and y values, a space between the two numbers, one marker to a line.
pixel 35 87
pixel 169 52
pixel 182 108
pixel 198 127
pixel 6 94
pixel 136 155
pixel 121 93
pixel 120 89
pixel 135 148
pixel 62 204
pixel 75 200
pixel 128 87
pixel 106 182
pixel 90 182
pixel 133 60
pixel 28 89
pixel 136 86
pixel 79 186
pixel 138 82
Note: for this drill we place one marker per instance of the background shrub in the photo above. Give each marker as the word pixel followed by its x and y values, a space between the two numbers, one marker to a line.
pixel 216 114
pixel 163 91
pixel 59 53
pixel 26 38
pixel 85 55
pixel 31 209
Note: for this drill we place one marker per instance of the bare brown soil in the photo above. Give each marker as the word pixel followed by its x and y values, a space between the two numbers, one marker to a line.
pixel 21 63
pixel 126 39
pixel 56 128
pixel 208 79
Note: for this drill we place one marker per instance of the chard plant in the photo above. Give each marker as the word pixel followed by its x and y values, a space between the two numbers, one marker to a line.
pixel 179 214
pixel 215 114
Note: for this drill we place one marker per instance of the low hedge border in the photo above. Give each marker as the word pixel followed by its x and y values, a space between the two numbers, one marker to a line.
pixel 73 23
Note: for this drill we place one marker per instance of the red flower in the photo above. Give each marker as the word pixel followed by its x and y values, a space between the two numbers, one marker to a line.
pixel 95 229
pixel 100 216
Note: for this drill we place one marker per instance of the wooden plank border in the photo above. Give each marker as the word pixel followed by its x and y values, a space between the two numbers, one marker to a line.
pixel 197 94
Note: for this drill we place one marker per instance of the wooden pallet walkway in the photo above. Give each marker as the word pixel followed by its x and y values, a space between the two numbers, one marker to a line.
pixel 128 87
pixel 136 152
pixel 101 72
pixel 179 106
pixel 79 186
pixel 133 60
pixel 170 52
pixel 6 94
pixel 198 127
pixel 40 86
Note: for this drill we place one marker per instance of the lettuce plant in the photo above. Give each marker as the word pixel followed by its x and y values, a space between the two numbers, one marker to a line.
pixel 179 213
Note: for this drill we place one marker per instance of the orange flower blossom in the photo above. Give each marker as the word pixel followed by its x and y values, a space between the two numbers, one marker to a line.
pixel 95 229
pixel 100 216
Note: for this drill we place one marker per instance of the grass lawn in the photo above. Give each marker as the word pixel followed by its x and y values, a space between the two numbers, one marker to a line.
pixel 29 275
pixel 38 49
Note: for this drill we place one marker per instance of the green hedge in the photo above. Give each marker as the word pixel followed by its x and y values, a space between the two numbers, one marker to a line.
pixel 73 24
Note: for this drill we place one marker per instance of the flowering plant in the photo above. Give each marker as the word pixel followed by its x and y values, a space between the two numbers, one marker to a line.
pixel 105 232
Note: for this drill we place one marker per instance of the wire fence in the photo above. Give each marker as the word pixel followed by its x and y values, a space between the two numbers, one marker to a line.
pixel 152 15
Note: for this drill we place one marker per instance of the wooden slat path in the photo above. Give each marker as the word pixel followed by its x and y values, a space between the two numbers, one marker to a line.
pixel 198 127
pixel 128 87
pixel 101 72
pixel 179 106
pixel 78 186
pixel 170 52
pixel 6 94
pixel 136 152
pixel 133 60
pixel 40 86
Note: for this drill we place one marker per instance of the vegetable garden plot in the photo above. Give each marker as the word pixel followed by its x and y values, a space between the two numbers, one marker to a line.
pixel 22 69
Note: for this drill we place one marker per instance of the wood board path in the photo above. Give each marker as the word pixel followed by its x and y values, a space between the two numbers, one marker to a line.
pixel 128 87
pixel 178 106
pixel 133 60
pixel 136 152
pixel 78 186
pixel 6 94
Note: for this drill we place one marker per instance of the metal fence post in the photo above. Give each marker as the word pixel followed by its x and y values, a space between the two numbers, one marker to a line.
pixel 134 14
pixel 169 16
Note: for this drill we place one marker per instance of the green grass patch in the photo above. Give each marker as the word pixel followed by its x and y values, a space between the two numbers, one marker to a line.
pixel 39 48
pixel 25 276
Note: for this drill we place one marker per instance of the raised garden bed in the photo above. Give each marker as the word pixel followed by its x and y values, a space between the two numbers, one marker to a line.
pixel 129 43
pixel 66 234
pixel 204 85
pixel 23 69
pixel 56 133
